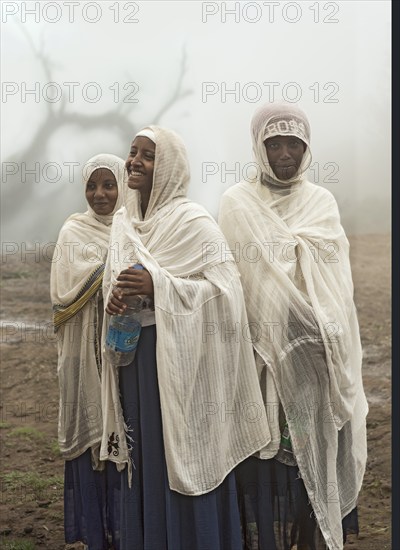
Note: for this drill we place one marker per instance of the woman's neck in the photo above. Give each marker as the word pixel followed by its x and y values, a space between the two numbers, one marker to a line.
pixel 144 202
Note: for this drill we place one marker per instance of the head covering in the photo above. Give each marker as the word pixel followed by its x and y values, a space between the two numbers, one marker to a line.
pixel 171 174
pixel 90 233
pixel 279 119
pixel 196 288
pixel 147 132
pixel 117 166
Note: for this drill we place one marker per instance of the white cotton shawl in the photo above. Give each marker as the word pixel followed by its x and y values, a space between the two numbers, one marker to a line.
pixel 293 257
pixel 211 404
pixel 76 276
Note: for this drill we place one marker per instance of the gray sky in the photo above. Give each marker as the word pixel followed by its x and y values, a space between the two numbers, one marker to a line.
pixel 333 57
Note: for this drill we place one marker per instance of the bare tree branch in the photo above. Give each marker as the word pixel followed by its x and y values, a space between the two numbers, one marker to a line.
pixel 117 119
pixel 44 61
pixel 178 93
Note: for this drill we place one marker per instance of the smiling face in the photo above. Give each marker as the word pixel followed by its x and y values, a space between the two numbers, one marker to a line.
pixel 102 191
pixel 140 165
pixel 285 154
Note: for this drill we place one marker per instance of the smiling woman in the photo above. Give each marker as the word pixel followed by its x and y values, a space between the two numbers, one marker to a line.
pixel 102 191
pixel 76 281
pixel 140 166
pixel 166 424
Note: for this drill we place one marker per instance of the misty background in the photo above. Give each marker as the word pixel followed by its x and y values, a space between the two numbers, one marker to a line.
pixel 133 64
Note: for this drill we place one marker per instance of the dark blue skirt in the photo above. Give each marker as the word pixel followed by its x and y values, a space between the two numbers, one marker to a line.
pixel 91 512
pixel 275 511
pixel 153 517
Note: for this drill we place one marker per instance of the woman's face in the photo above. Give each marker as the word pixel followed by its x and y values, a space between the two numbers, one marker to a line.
pixel 140 164
pixel 285 154
pixel 102 191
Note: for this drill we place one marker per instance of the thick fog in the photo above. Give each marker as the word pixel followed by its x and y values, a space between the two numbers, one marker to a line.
pixel 81 78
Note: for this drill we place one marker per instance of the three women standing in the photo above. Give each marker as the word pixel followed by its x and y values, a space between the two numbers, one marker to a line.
pixel 183 420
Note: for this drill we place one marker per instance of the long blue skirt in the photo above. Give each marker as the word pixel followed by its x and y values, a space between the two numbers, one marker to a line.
pixel 261 505
pixel 275 511
pixel 153 517
pixel 90 513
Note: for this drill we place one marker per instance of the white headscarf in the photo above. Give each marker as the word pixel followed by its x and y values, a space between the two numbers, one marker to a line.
pixel 147 132
pixel 76 276
pixel 169 189
pixel 279 119
pixel 293 257
pixel 117 166
pixel 206 377
pixel 82 244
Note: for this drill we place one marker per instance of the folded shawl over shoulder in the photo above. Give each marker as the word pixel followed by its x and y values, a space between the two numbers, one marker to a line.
pixel 293 257
pixel 211 404
pixel 76 277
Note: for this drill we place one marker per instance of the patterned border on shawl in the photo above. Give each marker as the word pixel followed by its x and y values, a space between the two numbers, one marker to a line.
pixel 61 313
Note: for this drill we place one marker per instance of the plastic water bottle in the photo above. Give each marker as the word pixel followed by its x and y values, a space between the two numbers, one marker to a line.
pixel 124 331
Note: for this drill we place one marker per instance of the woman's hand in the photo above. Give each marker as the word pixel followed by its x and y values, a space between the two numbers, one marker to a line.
pixel 133 282
pixel 115 304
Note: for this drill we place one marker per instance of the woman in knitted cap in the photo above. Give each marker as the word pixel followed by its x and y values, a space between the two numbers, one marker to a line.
pixel 299 301
pixel 76 280
pixel 191 407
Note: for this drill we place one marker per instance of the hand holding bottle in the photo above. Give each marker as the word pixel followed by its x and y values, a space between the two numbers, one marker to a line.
pixel 125 308
pixel 130 282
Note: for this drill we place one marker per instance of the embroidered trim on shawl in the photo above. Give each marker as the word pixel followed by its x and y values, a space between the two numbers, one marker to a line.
pixel 62 313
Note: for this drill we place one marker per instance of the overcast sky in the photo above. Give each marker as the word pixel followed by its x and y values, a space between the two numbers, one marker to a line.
pixel 333 57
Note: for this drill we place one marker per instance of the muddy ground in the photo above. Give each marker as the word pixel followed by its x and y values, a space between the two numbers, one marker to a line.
pixel 31 506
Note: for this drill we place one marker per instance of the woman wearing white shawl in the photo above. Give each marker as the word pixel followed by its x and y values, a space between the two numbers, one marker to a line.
pixel 76 280
pixel 191 400
pixel 293 257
